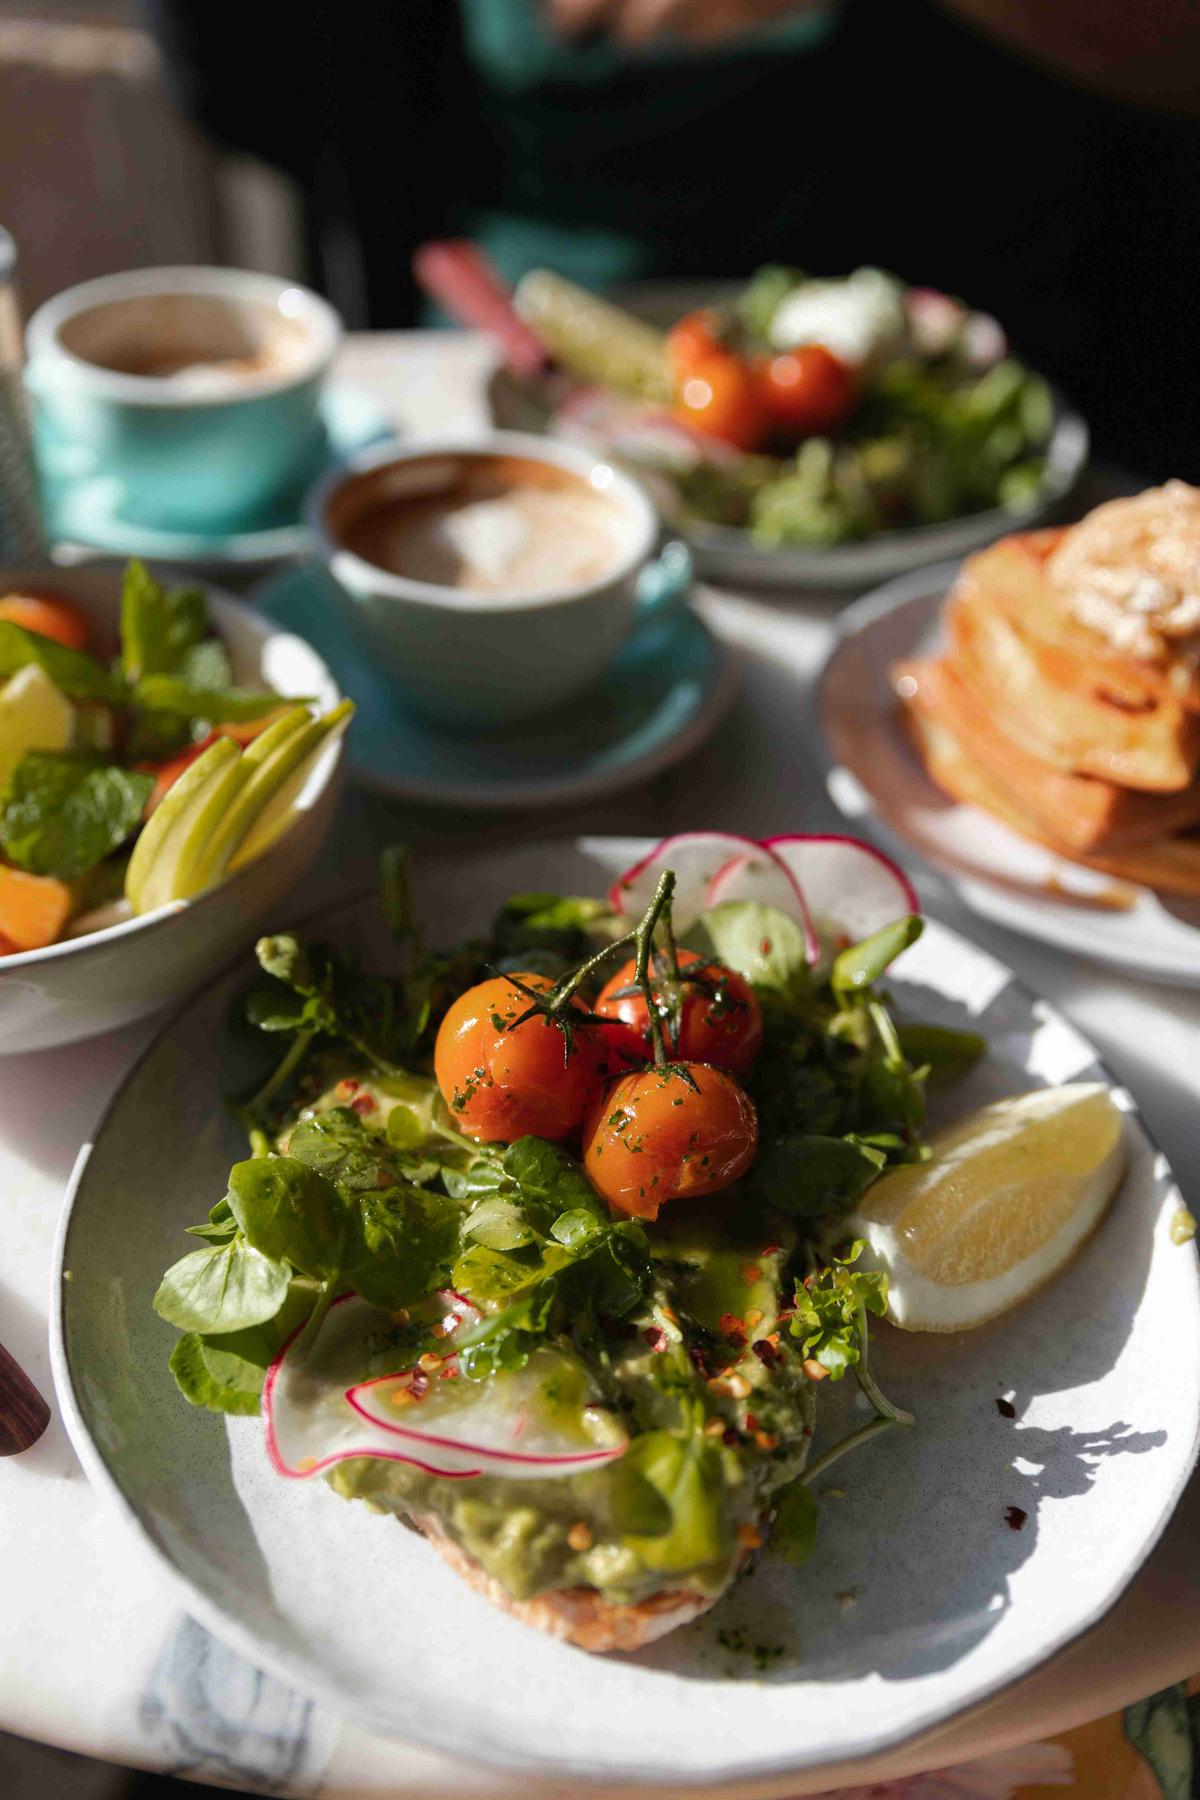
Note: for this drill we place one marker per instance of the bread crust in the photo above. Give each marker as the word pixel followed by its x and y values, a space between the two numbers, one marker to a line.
pixel 579 1615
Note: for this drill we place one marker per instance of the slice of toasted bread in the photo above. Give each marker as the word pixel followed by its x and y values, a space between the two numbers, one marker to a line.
pixel 1079 812
pixel 1012 574
pixel 1077 725
pixel 1170 864
pixel 579 1615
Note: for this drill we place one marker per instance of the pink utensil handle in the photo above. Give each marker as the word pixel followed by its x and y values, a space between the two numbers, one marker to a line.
pixel 460 278
pixel 24 1415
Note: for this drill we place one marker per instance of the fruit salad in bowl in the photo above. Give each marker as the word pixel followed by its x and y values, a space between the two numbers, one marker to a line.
pixel 163 753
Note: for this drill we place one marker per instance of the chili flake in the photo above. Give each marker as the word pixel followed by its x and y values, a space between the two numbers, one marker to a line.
pixel 1015 1517
pixel 580 1536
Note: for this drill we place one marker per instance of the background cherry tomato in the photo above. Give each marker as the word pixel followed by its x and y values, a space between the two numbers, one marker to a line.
pixel 807 390
pixel 720 395
pixel 720 1020
pixel 50 616
pixel 691 339
pixel 651 1138
pixel 503 1084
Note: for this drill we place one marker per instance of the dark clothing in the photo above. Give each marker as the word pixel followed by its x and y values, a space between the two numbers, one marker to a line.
pixel 895 137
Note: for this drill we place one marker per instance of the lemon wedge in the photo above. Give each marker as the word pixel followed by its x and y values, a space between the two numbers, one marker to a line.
pixel 1010 1194
pixel 34 715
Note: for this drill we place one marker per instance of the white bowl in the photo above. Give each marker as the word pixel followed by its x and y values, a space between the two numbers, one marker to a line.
pixel 95 983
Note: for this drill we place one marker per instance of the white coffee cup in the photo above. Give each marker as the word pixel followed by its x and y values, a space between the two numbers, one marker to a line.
pixel 472 659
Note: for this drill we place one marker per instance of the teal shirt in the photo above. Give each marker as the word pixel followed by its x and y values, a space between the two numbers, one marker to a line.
pixel 614 167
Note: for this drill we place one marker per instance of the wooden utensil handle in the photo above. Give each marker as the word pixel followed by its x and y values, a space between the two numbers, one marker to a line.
pixel 24 1415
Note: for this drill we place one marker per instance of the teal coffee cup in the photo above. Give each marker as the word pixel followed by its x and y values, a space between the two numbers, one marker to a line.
pixel 192 394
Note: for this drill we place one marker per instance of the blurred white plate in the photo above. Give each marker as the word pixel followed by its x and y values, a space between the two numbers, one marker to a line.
pixel 875 776
pixel 949 1604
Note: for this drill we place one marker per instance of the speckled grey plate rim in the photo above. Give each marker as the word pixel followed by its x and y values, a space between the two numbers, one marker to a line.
pixel 300 1674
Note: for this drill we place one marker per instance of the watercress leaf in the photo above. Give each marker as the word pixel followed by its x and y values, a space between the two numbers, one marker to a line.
pixel 498 1224
pixel 945 1053
pixel 407 1242
pixel 276 1008
pixel 491 1275
pixel 860 965
pixel 224 1288
pixel 794 1532
pixel 560 925
pixel 79 676
pixel 504 1339
pixel 201 1387
pixel 807 1177
pixel 339 1145
pixel 760 942
pixel 64 813
pixel 293 1214
pixel 483 1175
pixel 550 1181
pixel 173 695
pixel 575 1227
pixel 405 1129
pixel 158 627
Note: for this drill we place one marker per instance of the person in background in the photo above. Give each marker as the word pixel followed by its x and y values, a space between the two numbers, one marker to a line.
pixel 1040 160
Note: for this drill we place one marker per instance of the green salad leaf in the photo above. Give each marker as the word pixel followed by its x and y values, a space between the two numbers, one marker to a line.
pixel 810 1177
pixel 64 812
pixel 227 1287
pixel 160 627
pixel 79 676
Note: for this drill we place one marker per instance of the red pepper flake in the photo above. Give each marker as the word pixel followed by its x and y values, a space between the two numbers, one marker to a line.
pixel 751 1421
pixel 733 1327
pixel 418 1384
pixel 347 1087
pixel 1015 1517
pixel 656 1337
pixel 769 1250
pixel 729 1437
pixel 364 1103
pixel 699 1361
pixel 751 1273
pixel 1006 1409
pixel 765 947
pixel 765 1352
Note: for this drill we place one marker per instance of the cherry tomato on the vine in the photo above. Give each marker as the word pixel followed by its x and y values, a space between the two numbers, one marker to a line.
pixel 807 390
pixel 503 1080
pixel 660 1136
pixel 711 1015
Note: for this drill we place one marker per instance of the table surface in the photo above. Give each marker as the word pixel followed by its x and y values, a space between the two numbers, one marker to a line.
pixel 95 1653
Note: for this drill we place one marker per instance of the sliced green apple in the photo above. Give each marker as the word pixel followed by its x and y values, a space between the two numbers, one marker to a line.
pixel 149 880
pixel 266 807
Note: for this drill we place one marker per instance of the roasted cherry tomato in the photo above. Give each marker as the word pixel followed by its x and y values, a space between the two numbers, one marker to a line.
pixel 504 1080
pixel 720 395
pixel 49 616
pixel 711 1015
pixel 807 390
pixel 668 1134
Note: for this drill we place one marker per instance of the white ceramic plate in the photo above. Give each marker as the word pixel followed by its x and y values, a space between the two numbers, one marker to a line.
pixel 948 1604
pixel 874 774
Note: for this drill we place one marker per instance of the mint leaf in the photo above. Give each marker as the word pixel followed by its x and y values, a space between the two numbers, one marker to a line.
pixel 158 627
pixel 65 813
pixel 78 675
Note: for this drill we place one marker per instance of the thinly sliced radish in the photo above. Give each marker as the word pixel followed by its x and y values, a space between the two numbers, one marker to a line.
pixel 307 1422
pixel 317 1413
pixel 504 1425
pixel 764 878
pixel 711 867
pixel 852 888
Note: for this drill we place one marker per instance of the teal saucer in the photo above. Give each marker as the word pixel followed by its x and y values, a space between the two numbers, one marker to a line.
pixel 658 699
pixel 84 514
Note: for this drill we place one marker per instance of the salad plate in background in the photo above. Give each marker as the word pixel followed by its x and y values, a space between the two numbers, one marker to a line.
pixel 798 430
pixel 951 1559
